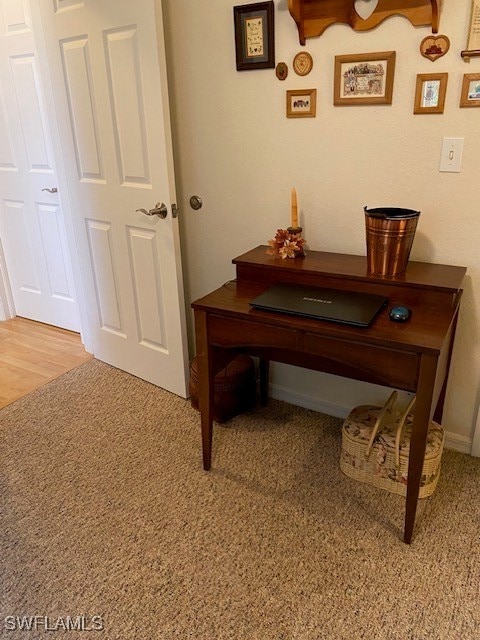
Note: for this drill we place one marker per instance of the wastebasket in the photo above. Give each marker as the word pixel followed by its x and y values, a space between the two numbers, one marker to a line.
pixel 235 388
pixel 389 234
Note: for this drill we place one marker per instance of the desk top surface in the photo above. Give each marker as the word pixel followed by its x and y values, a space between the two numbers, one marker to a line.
pixel 430 291
pixel 426 330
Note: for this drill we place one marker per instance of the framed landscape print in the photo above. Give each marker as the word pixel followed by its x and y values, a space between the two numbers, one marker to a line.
pixel 254 36
pixel 364 78
pixel 430 92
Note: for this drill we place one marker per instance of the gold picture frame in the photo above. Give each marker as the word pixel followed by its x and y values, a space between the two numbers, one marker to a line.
pixel 364 78
pixel 430 92
pixel 470 96
pixel 301 103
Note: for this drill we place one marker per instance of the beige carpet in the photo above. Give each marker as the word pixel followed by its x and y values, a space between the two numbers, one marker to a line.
pixel 107 512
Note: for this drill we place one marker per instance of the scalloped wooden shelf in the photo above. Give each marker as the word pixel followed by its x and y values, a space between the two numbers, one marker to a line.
pixel 314 16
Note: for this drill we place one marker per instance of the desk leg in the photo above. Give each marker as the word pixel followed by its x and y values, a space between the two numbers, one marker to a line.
pixel 421 421
pixel 438 415
pixel 264 367
pixel 206 385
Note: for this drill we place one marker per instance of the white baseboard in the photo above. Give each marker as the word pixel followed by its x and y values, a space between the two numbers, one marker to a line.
pixel 458 443
pixel 307 401
pixel 463 444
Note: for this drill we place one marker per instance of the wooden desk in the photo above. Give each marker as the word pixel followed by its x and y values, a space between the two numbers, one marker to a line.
pixel 414 356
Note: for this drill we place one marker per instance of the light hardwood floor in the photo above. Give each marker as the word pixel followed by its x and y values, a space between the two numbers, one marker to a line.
pixel 32 354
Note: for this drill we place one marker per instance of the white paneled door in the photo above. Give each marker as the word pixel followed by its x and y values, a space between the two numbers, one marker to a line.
pixel 32 230
pixel 106 60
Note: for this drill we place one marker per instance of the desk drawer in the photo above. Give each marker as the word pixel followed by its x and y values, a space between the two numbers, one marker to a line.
pixel 377 364
pixel 229 332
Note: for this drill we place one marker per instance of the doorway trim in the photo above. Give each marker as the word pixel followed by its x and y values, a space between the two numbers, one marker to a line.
pixel 7 308
pixel 475 451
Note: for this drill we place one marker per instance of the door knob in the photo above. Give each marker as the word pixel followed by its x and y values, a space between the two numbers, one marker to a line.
pixel 196 202
pixel 52 190
pixel 159 210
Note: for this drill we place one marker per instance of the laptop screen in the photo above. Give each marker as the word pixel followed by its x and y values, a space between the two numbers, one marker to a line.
pixel 336 305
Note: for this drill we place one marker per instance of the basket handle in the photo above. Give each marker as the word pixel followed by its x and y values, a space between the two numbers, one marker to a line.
pixel 401 424
pixel 386 410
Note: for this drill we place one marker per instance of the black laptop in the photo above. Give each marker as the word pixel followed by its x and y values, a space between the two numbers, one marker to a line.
pixel 347 307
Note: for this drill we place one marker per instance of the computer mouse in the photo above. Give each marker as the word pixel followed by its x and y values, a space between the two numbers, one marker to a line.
pixel 399 314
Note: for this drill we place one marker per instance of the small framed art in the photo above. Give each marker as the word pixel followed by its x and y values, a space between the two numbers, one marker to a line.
pixel 430 92
pixel 254 36
pixel 301 103
pixel 364 78
pixel 470 96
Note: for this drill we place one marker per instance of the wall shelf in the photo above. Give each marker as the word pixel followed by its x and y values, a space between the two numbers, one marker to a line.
pixel 314 16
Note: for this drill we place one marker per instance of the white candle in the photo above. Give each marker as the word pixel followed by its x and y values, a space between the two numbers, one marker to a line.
pixel 294 209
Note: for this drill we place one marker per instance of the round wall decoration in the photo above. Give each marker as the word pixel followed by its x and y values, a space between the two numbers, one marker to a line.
pixel 303 63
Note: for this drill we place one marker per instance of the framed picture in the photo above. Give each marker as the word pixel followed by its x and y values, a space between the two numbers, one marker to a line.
pixel 254 36
pixel 430 92
pixel 365 78
pixel 470 96
pixel 302 103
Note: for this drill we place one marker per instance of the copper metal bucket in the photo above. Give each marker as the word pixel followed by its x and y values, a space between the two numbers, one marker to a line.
pixel 389 233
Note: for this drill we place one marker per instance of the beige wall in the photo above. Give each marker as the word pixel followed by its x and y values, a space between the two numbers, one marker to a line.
pixel 235 147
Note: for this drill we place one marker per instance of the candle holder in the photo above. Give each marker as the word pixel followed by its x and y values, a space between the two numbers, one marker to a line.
pixel 294 230
pixel 287 243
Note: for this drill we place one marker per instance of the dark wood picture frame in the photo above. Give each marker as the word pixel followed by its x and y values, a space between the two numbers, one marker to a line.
pixel 436 83
pixel 368 87
pixel 255 36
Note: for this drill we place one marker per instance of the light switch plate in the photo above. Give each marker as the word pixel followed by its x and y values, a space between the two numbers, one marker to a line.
pixel 451 156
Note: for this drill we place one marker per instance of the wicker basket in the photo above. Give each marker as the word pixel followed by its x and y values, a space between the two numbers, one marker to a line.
pixel 235 388
pixel 376 446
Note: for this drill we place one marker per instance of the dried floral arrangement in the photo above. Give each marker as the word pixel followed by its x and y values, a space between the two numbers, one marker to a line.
pixel 286 244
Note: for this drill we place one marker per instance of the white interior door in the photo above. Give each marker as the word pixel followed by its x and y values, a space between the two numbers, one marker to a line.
pixel 107 65
pixel 32 229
